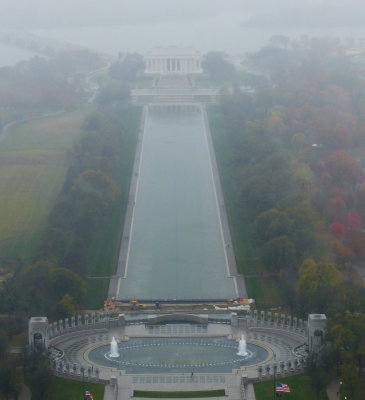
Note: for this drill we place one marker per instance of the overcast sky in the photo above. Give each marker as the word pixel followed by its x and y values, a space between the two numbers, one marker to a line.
pixel 61 13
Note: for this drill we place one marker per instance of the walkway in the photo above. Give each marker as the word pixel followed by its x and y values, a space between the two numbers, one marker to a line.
pixel 333 390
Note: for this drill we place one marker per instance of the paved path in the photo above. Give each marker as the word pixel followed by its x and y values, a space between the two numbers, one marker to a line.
pixel 25 393
pixel 333 390
pixel 250 392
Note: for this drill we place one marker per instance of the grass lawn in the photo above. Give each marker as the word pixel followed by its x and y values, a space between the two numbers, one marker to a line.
pixel 299 389
pixel 72 390
pixel 33 163
pixel 179 395
pixel 264 290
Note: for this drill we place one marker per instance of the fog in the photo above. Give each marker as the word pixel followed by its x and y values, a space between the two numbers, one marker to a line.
pixel 233 26
pixel 53 13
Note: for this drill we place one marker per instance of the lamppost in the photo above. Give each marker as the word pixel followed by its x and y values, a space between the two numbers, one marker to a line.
pixel 274 376
pixel 82 369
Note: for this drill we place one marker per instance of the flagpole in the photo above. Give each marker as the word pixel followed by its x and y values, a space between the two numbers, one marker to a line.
pixel 274 377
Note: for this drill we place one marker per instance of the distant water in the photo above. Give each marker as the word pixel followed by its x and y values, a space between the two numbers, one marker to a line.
pixel 224 32
pixel 12 55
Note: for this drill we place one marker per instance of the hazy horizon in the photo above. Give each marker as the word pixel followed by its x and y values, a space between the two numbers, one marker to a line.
pixel 38 14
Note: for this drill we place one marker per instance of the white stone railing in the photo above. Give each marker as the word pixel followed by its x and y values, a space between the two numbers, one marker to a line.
pixel 269 319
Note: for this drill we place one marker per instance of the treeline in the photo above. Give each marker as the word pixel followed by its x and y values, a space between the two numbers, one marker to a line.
pixel 44 84
pixel 90 207
pixel 296 156
pixel 81 236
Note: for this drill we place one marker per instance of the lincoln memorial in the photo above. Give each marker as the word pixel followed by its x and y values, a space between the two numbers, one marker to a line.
pixel 173 61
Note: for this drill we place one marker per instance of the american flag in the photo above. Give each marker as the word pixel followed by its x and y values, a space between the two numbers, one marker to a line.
pixel 88 395
pixel 282 387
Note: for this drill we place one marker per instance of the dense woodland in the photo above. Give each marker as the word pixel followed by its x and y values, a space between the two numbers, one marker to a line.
pixel 296 157
pixel 40 84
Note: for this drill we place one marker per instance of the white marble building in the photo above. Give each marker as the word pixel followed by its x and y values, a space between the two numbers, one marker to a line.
pixel 173 61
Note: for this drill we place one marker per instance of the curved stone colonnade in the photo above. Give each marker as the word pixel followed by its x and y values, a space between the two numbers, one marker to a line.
pixel 72 339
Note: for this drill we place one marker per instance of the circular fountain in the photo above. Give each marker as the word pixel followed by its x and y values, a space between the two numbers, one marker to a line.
pixel 208 354
pixel 114 353
pixel 242 347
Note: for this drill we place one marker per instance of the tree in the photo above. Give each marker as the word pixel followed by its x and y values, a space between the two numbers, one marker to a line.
pixel 128 68
pixel 337 230
pixel 218 67
pixel 343 169
pixel 318 284
pixel 9 385
pixel 279 253
pixel 38 374
pixel 3 343
pixel 43 288
pixel 272 223
pixel 353 221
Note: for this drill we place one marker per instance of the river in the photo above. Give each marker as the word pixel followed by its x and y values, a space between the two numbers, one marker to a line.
pixel 224 32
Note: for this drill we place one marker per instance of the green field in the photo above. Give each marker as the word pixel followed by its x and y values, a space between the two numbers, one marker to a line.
pixel 300 389
pixel 33 163
pixel 73 390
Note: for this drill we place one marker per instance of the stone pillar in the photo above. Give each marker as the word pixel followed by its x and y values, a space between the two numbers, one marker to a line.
pixel 255 315
pixel 38 334
pixel 121 320
pixel 234 319
pixel 276 318
pixel 262 316
pixel 79 320
pixel 295 322
pixel 269 320
pixel 317 324
pixel 73 322
pixel 283 316
pixel 50 330
pixel 288 321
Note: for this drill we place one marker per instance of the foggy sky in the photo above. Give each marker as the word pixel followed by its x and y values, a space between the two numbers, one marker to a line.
pixel 56 13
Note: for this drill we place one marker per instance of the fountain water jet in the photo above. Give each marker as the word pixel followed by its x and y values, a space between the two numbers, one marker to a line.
pixel 242 347
pixel 114 349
